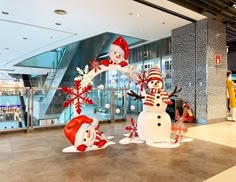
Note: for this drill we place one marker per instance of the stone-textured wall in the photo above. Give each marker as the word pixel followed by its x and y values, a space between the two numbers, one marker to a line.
pixel 183 56
pixel 201 71
pixel 216 73
pixel 194 47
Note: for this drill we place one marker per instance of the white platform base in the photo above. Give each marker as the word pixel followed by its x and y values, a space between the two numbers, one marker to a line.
pixel 72 148
pixel 163 144
pixel 128 140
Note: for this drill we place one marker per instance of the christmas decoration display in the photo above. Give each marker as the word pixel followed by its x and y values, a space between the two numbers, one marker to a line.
pixel 179 129
pixel 84 134
pixel 131 137
pixel 78 94
pixel 132 107
pixel 142 81
pixel 82 131
pixel 185 112
pixel 118 53
pixel 107 106
pixel 132 128
pixel 154 124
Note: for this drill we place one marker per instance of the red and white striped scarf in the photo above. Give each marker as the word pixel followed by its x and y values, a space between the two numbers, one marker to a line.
pixel 98 137
pixel 150 97
pixel 121 63
pixel 99 141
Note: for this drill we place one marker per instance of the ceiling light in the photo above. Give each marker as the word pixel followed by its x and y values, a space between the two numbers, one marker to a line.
pixel 60 12
pixel 137 14
pixel 7 48
pixel 140 29
pixel 130 13
pixel 5 13
pixel 51 37
pixel 25 38
pixel 58 23
pixel 234 5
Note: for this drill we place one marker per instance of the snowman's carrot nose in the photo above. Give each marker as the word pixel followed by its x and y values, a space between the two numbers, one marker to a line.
pixel 89 133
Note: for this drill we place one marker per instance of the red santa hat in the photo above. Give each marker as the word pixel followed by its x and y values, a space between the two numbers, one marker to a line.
pixel 120 46
pixel 185 105
pixel 154 74
pixel 76 128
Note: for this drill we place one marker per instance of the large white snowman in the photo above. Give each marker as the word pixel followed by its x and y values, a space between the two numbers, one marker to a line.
pixel 154 124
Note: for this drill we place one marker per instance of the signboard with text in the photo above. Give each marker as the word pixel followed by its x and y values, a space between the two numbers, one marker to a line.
pixel 218 59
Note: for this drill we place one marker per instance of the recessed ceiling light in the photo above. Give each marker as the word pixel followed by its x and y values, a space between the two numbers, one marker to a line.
pixel 140 29
pixel 51 37
pixel 137 14
pixel 5 13
pixel 130 13
pixel 25 38
pixel 60 12
pixel 7 48
pixel 58 23
pixel 234 5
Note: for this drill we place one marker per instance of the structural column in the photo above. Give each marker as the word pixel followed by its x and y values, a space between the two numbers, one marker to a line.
pixel 195 48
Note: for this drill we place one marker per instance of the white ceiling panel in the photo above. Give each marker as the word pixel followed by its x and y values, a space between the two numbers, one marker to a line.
pixel 36 21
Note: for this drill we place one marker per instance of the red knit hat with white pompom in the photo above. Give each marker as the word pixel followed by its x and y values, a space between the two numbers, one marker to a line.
pixel 76 129
pixel 120 46
pixel 185 105
pixel 154 74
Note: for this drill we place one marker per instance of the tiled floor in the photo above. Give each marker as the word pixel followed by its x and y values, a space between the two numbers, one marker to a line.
pixel 37 156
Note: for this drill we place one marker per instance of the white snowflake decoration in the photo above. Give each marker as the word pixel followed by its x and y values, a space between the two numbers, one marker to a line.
pixel 83 74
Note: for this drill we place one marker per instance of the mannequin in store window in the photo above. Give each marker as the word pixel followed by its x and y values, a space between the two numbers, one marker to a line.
pixel 231 95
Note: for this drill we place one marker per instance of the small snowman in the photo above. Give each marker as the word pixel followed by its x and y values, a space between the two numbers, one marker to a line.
pixel 154 124
pixel 118 53
pixel 83 133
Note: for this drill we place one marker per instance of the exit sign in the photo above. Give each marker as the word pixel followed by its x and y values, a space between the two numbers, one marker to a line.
pixel 218 59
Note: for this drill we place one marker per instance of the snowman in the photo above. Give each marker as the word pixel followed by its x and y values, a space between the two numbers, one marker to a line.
pixel 154 124
pixel 83 133
pixel 118 53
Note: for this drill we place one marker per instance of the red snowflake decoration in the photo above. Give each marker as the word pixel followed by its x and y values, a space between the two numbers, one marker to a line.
pixel 179 128
pixel 79 94
pixel 142 80
pixel 132 128
pixel 95 65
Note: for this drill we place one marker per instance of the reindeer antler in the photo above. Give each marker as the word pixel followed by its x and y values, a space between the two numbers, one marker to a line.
pixel 175 92
pixel 133 94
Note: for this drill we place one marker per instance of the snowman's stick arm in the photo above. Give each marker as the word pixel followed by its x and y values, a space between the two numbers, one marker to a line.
pixel 133 94
pixel 175 92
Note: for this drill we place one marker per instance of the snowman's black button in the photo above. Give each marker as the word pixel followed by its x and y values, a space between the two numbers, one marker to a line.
pixel 159 117
pixel 158 124
pixel 158 104
pixel 158 97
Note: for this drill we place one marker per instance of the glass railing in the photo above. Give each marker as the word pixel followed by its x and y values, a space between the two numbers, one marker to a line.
pixel 55 64
pixel 25 108
pixel 50 59
pixel 13 112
